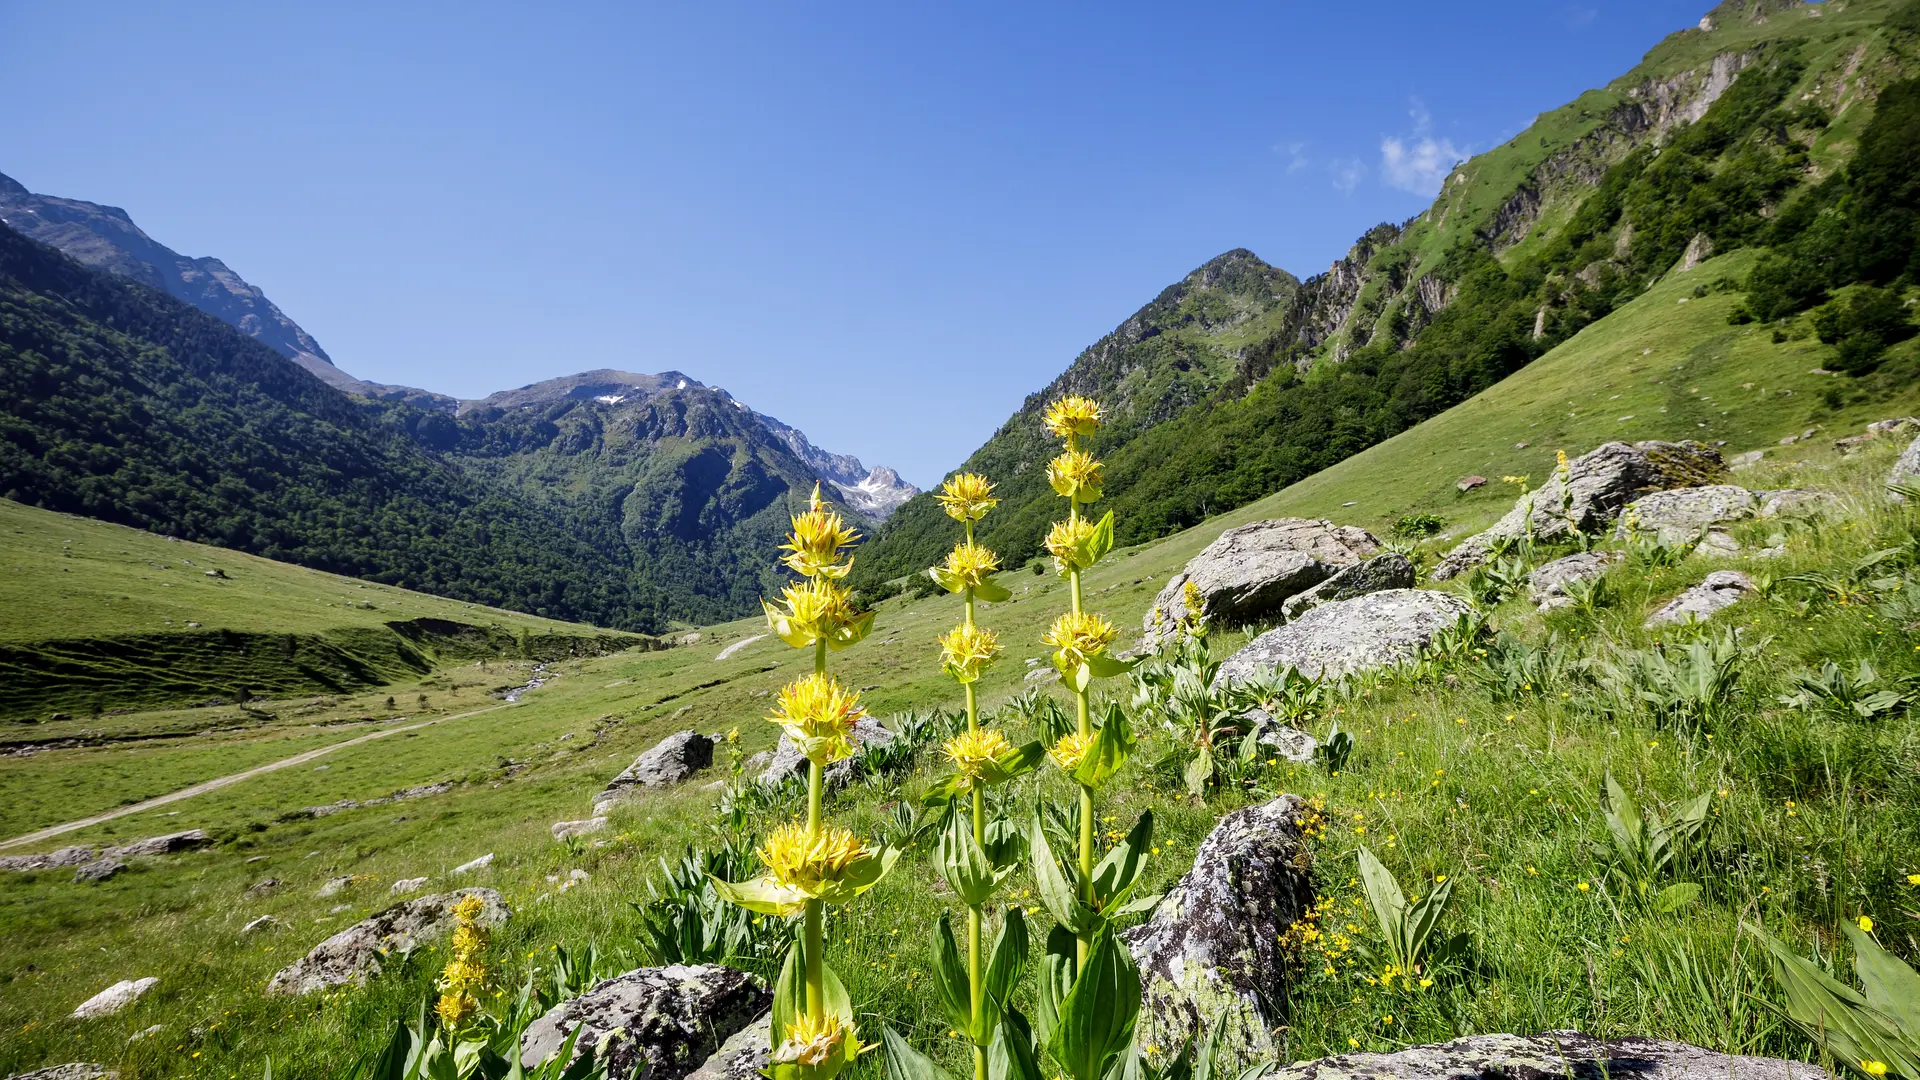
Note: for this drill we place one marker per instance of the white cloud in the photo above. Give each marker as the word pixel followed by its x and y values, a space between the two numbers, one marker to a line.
pixel 1296 157
pixel 1347 174
pixel 1418 163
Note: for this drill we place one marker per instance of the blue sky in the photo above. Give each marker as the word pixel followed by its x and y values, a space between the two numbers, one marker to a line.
pixel 883 223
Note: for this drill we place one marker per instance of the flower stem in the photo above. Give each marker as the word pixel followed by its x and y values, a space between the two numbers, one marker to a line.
pixel 815 914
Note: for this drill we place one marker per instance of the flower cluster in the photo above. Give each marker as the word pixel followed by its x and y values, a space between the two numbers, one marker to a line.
pixel 818 608
pixel 966 497
pixel 466 970
pixel 1078 637
pixel 968 650
pixel 818 714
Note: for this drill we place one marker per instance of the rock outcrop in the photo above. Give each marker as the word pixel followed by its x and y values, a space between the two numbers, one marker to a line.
pixel 742 1057
pixel 100 869
pixel 1906 471
pixel 1720 590
pixel 1250 571
pixel 671 1019
pixel 787 761
pixel 1598 484
pixel 1375 630
pixel 564 829
pixel 190 840
pixel 58 859
pixel 354 954
pixel 1547 584
pixel 114 998
pixel 77 1070
pixel 670 761
pixel 1563 1054
pixel 1390 571
pixel 1213 945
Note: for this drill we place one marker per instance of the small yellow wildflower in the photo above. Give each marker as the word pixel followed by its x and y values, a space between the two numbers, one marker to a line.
pixel 968 650
pixel 1583 887
pixel 1913 879
pixel 966 497
pixel 1865 924
pixel 1872 1067
pixel 1073 416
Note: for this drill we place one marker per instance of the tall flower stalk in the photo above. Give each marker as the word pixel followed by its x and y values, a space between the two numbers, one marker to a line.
pixel 811 864
pixel 972 863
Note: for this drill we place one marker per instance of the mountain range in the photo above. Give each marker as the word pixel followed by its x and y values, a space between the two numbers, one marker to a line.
pixel 642 500
pixel 106 238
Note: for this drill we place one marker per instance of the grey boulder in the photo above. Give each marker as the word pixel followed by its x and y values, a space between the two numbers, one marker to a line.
pixel 1547 584
pixel 1718 591
pixel 1684 514
pixel 564 829
pixel 744 1056
pixel 1250 571
pixel 1906 471
pixel 1375 630
pixel 189 840
pixel 1794 503
pixel 670 761
pixel 99 869
pixel 1281 741
pixel 669 1020
pixel 114 998
pixel 1598 484
pixel 788 762
pixel 1567 1055
pixel 354 954
pixel 1390 571
pixel 1212 947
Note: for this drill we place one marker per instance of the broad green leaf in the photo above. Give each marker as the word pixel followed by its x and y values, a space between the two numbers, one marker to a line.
pixel 1056 978
pixel 1112 745
pixel 992 592
pixel 1383 893
pixel 961 862
pixel 1199 771
pixel 1006 963
pixel 1423 915
pixel 790 990
pixel 949 582
pixel 906 1063
pixel 1117 873
pixel 1207 1062
pixel 1107 667
pixel 1675 896
pixel 950 977
pixel 1097 1016
pixel 1101 541
pixel 1058 895
pixel 1891 986
pixel 1010 1057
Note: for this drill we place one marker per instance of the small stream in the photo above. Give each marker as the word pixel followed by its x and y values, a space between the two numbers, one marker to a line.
pixel 538 680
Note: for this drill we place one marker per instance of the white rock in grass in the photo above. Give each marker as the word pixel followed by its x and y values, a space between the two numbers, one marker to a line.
pixel 480 863
pixel 564 829
pixel 114 998
pixel 1551 1054
pixel 407 885
pixel 1720 590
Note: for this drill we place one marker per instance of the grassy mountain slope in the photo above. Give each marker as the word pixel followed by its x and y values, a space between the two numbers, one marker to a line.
pixel 1168 356
pixel 103 616
pixel 1698 149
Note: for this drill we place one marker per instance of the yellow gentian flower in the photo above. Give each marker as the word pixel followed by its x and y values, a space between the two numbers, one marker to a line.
pixel 1072 748
pixel 966 497
pixel 817 609
pixel 1077 636
pixel 969 564
pixel 1075 474
pixel 977 754
pixel 1066 542
pixel 967 651
pixel 815 547
pixel 1073 416
pixel 818 714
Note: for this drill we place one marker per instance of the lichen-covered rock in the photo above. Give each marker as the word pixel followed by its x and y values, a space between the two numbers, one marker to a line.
pixel 1906 471
pixel 1554 1055
pixel 672 1019
pixel 1375 630
pixel 742 1057
pixel 670 761
pixel 58 859
pixel 787 761
pixel 1213 946
pixel 1718 591
pixel 1250 571
pixel 1389 571
pixel 1601 481
pixel 189 840
pixel 1281 741
pixel 1683 514
pixel 114 998
pixel 354 954
pixel 1795 503
pixel 1547 584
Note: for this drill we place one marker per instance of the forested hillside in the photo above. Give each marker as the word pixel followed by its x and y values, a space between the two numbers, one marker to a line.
pixel 127 405
pixel 1735 133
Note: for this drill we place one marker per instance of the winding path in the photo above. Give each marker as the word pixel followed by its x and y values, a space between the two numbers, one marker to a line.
pixel 737 646
pixel 223 781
